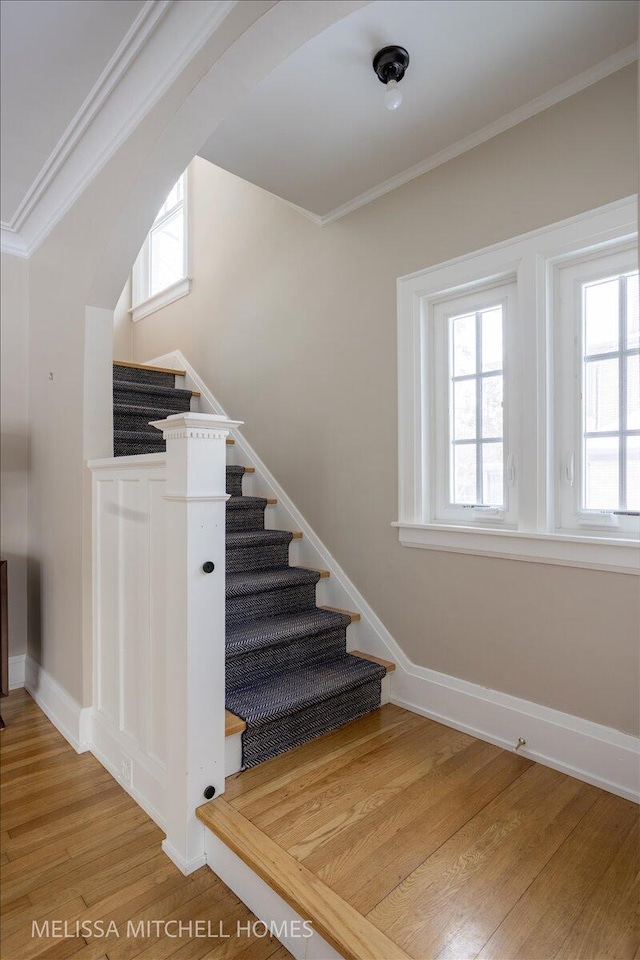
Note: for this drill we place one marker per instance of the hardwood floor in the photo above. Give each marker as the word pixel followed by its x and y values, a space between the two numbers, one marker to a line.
pixel 449 846
pixel 75 847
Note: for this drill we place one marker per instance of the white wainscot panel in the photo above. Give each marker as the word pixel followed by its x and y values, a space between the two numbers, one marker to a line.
pixel 130 596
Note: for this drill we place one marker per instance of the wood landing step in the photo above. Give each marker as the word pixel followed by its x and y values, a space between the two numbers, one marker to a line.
pixel 348 932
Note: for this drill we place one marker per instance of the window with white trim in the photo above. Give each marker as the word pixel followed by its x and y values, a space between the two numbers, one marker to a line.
pixel 598 393
pixel 160 273
pixel 519 397
pixel 474 476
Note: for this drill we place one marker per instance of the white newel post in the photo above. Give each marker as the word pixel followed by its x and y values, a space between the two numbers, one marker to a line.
pixel 195 498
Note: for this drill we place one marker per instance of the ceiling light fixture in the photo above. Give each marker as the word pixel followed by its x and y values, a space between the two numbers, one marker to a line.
pixel 390 65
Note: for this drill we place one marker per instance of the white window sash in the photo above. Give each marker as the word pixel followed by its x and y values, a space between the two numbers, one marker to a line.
pixel 143 300
pixel 438 377
pixel 569 277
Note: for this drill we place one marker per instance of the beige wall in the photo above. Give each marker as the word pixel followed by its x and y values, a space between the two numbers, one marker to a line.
pixel 122 325
pixel 14 449
pixel 293 327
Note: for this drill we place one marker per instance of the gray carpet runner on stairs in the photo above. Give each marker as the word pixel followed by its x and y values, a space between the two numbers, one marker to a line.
pixel 288 673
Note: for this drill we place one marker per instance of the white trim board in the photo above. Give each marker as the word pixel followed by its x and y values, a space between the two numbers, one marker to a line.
pixel 588 751
pixel 65 713
pixel 580 748
pixel 16 671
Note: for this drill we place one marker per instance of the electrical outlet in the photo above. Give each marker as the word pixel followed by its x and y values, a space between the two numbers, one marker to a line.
pixel 126 770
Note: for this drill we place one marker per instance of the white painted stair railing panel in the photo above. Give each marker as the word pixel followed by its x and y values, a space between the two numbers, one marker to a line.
pixel 157 721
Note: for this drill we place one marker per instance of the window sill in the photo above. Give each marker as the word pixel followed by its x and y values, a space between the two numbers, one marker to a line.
pixel 178 289
pixel 596 553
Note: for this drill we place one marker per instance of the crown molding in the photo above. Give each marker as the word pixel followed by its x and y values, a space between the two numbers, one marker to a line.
pixel 163 38
pixel 567 89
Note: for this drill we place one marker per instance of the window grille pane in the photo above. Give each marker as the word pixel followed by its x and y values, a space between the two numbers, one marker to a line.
pixel 464 406
pixel 601 480
pixel 492 475
pixel 602 397
pixel 601 316
pixel 175 197
pixel 492 406
pixel 167 253
pixel 492 339
pixel 464 345
pixel 633 337
pixel 633 473
pixel 464 473
pixel 633 392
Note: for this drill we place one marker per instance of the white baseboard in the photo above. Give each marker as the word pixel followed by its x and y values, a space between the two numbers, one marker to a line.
pixel 63 711
pixel 185 867
pixel 588 751
pixel 16 671
pixel 271 909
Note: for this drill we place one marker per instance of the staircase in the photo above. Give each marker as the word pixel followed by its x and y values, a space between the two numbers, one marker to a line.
pixel 289 677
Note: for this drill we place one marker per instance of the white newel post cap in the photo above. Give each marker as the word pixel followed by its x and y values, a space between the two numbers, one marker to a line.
pixel 195 465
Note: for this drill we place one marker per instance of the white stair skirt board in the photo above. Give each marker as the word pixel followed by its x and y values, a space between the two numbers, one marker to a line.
pixel 281 920
pixel 16 671
pixel 588 751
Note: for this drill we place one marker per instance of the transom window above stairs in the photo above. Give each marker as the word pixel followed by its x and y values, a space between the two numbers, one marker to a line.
pixel 160 273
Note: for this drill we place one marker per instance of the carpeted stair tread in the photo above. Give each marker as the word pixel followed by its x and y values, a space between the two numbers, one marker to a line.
pixel 287 694
pixel 243 539
pixel 152 390
pixel 126 408
pixel 246 503
pixel 143 437
pixel 250 582
pixel 243 638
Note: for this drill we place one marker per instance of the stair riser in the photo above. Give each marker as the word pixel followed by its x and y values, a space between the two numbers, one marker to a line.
pixel 261 742
pixel 256 558
pixel 152 377
pixel 257 605
pixel 234 484
pixel 245 520
pixel 254 666
pixel 126 448
pixel 134 421
pixel 178 403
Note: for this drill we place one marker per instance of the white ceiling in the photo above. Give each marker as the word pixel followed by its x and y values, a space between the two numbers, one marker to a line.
pixel 316 131
pixel 52 54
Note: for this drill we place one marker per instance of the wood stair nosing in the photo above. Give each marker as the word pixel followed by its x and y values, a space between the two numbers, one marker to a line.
pixel 389 665
pixel 348 613
pixel 233 724
pixel 149 367
pixel 348 932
